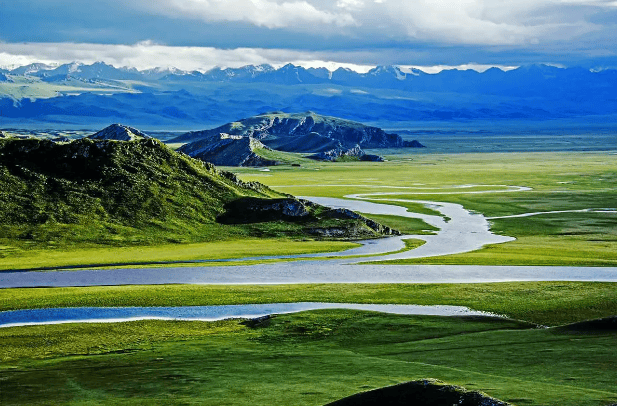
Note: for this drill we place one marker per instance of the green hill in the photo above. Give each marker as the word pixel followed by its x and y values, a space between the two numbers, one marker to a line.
pixel 90 192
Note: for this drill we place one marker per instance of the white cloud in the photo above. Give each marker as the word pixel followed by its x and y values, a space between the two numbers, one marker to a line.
pixel 477 22
pixel 300 15
pixel 147 55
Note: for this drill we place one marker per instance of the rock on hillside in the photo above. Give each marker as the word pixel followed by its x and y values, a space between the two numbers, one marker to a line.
pixel 227 150
pixel 277 128
pixel 426 392
pixel 314 219
pixel 337 153
pixel 119 132
pixel 3 134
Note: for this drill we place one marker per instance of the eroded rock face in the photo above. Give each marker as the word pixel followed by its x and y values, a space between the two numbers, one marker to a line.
pixel 227 150
pixel 277 128
pixel 334 154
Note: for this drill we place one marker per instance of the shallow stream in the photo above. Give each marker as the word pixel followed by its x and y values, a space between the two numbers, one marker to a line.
pixel 33 317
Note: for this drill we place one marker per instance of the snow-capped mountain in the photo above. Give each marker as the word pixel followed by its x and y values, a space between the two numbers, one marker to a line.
pixel 167 95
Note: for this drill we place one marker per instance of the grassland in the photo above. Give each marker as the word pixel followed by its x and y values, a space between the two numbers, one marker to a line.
pixel 308 358
pixel 559 181
pixel 119 256
pixel 313 358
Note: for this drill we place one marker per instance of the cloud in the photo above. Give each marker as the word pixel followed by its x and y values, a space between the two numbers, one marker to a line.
pixel 264 13
pixel 147 55
pixel 474 22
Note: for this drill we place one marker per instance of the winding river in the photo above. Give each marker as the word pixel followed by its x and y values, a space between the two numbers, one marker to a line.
pixel 463 232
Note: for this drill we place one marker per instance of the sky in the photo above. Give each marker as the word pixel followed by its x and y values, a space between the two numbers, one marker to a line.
pixel 201 34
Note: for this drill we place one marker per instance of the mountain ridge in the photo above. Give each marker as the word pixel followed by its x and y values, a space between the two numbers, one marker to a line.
pixel 100 93
pixel 328 138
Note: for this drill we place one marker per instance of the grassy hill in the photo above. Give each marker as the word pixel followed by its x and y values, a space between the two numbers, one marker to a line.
pixel 91 192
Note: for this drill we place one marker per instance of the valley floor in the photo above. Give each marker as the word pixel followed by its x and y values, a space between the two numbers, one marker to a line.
pixel 316 357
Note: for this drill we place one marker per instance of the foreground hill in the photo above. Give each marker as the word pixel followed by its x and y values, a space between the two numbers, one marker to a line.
pixel 140 192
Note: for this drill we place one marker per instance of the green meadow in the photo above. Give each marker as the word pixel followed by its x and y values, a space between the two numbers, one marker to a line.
pixel 558 181
pixel 534 356
pixel 309 358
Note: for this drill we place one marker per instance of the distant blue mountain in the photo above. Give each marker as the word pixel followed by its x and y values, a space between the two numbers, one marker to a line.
pixel 97 71
pixel 385 93
pixel 31 69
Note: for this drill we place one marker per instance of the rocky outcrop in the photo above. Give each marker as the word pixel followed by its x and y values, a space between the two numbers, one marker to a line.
pixel 254 210
pixel 426 392
pixel 3 135
pixel 337 153
pixel 61 139
pixel 119 132
pixel 228 150
pixel 317 220
pixel 277 128
pixel 344 214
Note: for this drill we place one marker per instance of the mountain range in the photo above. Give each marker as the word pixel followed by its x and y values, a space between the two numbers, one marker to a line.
pixel 99 93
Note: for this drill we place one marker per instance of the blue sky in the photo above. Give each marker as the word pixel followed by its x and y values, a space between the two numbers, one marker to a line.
pixel 200 34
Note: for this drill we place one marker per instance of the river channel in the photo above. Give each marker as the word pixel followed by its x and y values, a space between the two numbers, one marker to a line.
pixel 462 232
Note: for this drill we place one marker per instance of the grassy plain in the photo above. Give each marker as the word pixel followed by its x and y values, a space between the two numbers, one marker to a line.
pixel 313 358
pixel 119 256
pixel 559 181
pixel 309 358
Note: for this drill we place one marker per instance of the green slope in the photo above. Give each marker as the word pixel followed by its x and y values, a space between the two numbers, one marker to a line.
pixel 124 193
